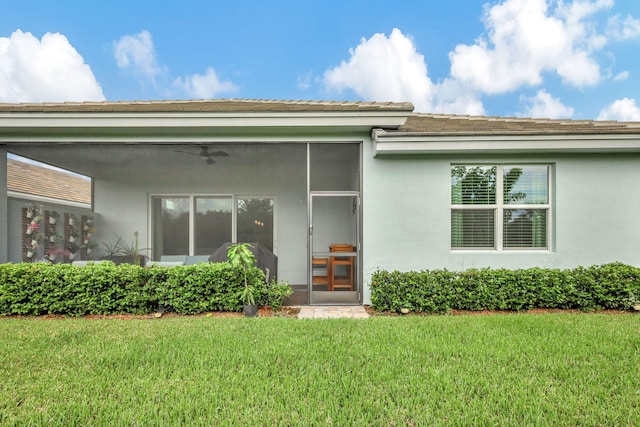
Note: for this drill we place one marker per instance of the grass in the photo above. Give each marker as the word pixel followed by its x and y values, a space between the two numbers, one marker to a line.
pixel 551 369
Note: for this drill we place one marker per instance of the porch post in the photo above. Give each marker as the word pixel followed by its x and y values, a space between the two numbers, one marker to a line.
pixel 4 206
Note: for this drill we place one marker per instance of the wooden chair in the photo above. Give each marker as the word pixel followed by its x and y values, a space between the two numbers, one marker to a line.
pixel 321 279
pixel 346 281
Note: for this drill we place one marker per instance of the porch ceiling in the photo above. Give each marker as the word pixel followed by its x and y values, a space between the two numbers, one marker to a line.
pixel 150 161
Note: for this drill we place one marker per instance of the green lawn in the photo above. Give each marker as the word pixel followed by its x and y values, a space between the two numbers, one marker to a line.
pixel 517 369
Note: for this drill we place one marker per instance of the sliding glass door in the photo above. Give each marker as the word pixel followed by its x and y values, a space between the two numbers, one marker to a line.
pixel 198 225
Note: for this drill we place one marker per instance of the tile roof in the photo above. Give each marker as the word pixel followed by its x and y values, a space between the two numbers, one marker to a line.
pixel 417 123
pixel 28 178
pixel 443 124
pixel 214 105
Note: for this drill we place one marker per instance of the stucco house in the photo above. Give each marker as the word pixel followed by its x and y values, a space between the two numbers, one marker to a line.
pixel 335 189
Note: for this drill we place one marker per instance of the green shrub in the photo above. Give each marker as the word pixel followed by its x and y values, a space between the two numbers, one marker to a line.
pixel 609 286
pixel 106 288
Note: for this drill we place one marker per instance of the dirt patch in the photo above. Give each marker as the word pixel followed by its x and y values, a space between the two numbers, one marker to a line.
pixel 374 312
pixel 262 312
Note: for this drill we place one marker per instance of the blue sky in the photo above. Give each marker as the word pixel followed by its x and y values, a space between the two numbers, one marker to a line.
pixel 536 58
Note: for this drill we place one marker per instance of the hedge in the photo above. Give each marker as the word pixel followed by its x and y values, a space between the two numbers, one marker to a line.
pixel 106 288
pixel 611 286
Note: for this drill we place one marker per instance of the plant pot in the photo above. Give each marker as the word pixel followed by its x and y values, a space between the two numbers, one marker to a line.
pixel 29 254
pixel 52 239
pixel 73 255
pixel 52 220
pixel 72 239
pixel 71 221
pixel 29 231
pixel 29 214
pixel 250 310
pixel 34 242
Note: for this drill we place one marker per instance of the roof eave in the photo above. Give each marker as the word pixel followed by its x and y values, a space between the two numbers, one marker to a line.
pixel 67 126
pixel 397 143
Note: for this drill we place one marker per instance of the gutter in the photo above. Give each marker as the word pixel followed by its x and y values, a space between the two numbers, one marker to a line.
pixel 396 143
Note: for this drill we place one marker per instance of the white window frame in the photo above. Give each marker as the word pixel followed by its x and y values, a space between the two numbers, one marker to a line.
pixel 499 207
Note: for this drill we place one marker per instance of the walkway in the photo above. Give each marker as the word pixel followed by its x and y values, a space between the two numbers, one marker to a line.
pixel 332 312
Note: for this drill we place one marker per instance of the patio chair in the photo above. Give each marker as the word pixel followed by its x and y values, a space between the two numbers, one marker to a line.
pixel 174 258
pixel 339 263
pixel 324 277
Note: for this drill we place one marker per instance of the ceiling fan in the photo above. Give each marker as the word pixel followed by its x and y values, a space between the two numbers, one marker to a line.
pixel 206 154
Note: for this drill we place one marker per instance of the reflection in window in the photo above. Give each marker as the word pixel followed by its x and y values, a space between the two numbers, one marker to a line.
pixel 473 185
pixel 174 233
pixel 255 221
pixel 212 224
pixel 526 185
pixel 171 225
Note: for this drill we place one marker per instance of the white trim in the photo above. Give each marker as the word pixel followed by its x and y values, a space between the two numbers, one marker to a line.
pixel 48 200
pixel 385 143
pixel 192 127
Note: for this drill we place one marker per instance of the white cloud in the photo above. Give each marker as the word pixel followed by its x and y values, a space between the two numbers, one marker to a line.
pixel 525 40
pixel 623 29
pixel 204 86
pixel 304 80
pixel 543 105
pixel 451 97
pixel 46 70
pixel 622 76
pixel 384 68
pixel 137 53
pixel 624 109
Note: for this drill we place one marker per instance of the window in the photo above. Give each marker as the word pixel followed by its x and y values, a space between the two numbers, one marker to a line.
pixel 255 220
pixel 198 225
pixel 500 207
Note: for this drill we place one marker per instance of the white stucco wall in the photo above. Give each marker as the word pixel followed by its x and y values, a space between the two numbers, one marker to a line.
pixel 406 220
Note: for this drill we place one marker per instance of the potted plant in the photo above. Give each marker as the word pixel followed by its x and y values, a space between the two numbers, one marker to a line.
pixel 240 255
pixel 52 254
pixel 33 226
pixel 30 251
pixel 122 253
pixel 53 217
pixel 72 219
pixel 72 249
pixel 90 247
pixel 36 237
pixel 53 236
pixel 34 209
